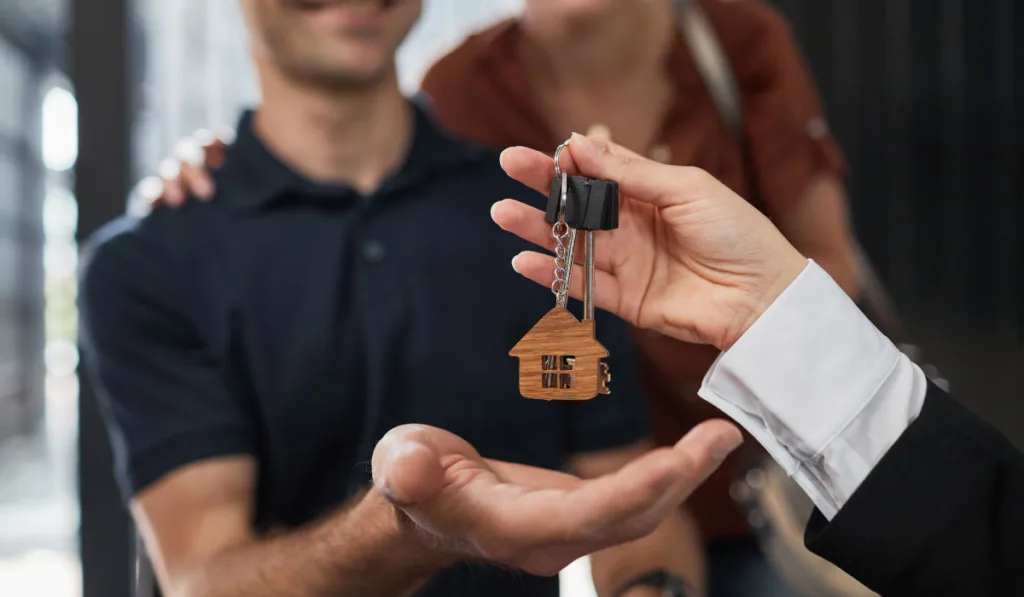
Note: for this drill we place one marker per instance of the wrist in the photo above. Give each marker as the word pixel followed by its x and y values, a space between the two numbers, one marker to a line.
pixel 762 297
pixel 397 539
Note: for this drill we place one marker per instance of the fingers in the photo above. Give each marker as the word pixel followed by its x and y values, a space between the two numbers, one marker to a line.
pixel 536 169
pixel 195 154
pixel 638 177
pixel 541 269
pixel 528 223
pixel 532 477
pixel 214 146
pixel 524 221
pixel 150 189
pixel 408 462
pixel 532 168
pixel 696 456
pixel 187 171
pixel 708 444
pixel 633 501
pixel 173 193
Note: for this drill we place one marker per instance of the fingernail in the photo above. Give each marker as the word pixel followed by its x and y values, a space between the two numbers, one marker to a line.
pixel 501 158
pixel 726 444
pixel 226 135
pixel 494 207
pixel 190 152
pixel 514 266
pixel 587 144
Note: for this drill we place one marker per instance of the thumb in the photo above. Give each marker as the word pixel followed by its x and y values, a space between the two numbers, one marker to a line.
pixel 638 177
pixel 406 468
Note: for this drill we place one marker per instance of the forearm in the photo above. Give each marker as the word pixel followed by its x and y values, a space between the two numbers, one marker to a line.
pixel 366 550
pixel 675 546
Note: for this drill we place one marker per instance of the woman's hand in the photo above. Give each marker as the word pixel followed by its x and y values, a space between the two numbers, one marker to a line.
pixel 690 259
pixel 187 172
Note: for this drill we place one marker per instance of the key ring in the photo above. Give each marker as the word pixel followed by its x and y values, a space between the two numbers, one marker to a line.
pixel 558 154
pixel 564 178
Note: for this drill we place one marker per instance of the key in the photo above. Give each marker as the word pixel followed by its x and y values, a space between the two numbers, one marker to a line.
pixel 590 203
pixel 560 357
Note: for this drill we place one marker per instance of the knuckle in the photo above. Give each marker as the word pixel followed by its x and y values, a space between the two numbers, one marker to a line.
pixel 695 177
pixel 625 161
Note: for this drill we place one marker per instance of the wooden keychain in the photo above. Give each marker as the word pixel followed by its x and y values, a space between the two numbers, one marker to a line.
pixel 560 357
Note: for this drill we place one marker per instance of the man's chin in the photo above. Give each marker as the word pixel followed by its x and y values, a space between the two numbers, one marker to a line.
pixel 351 78
pixel 355 73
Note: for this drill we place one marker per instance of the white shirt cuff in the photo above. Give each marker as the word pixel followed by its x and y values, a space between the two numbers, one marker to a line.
pixel 819 387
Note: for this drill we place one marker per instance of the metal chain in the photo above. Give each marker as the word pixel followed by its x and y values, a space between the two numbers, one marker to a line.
pixel 560 287
pixel 561 231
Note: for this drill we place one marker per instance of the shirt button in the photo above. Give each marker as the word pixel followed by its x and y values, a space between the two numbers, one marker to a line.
pixel 661 153
pixel 374 251
pixel 817 128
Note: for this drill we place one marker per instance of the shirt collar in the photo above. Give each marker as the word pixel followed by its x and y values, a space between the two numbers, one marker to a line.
pixel 258 178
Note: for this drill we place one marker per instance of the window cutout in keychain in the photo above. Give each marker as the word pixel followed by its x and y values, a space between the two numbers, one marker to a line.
pixel 553 362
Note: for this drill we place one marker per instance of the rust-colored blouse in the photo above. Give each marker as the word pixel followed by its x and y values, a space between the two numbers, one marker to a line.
pixel 481 91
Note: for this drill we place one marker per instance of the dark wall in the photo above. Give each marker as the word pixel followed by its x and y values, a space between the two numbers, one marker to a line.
pixel 100 57
pixel 924 96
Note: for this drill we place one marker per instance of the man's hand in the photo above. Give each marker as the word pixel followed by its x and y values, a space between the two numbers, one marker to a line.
pixel 532 519
pixel 690 258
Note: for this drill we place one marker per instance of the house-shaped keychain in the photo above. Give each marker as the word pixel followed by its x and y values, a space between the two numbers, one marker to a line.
pixel 560 359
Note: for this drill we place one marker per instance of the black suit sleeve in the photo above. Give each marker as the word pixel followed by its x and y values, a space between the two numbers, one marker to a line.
pixel 941 514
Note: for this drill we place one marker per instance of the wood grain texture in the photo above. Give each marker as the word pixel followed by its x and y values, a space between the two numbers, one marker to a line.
pixel 560 334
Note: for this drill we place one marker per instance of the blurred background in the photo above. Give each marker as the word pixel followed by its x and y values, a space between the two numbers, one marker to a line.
pixel 923 95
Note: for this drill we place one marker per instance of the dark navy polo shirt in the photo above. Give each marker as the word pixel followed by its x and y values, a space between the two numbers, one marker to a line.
pixel 297 322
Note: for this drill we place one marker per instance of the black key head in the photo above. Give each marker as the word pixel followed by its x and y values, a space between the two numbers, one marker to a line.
pixel 590 203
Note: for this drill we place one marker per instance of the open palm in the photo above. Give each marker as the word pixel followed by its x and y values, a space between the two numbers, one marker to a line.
pixel 690 258
pixel 534 519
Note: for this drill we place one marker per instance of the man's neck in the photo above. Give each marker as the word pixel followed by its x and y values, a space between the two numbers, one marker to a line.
pixel 346 137
pixel 627 43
